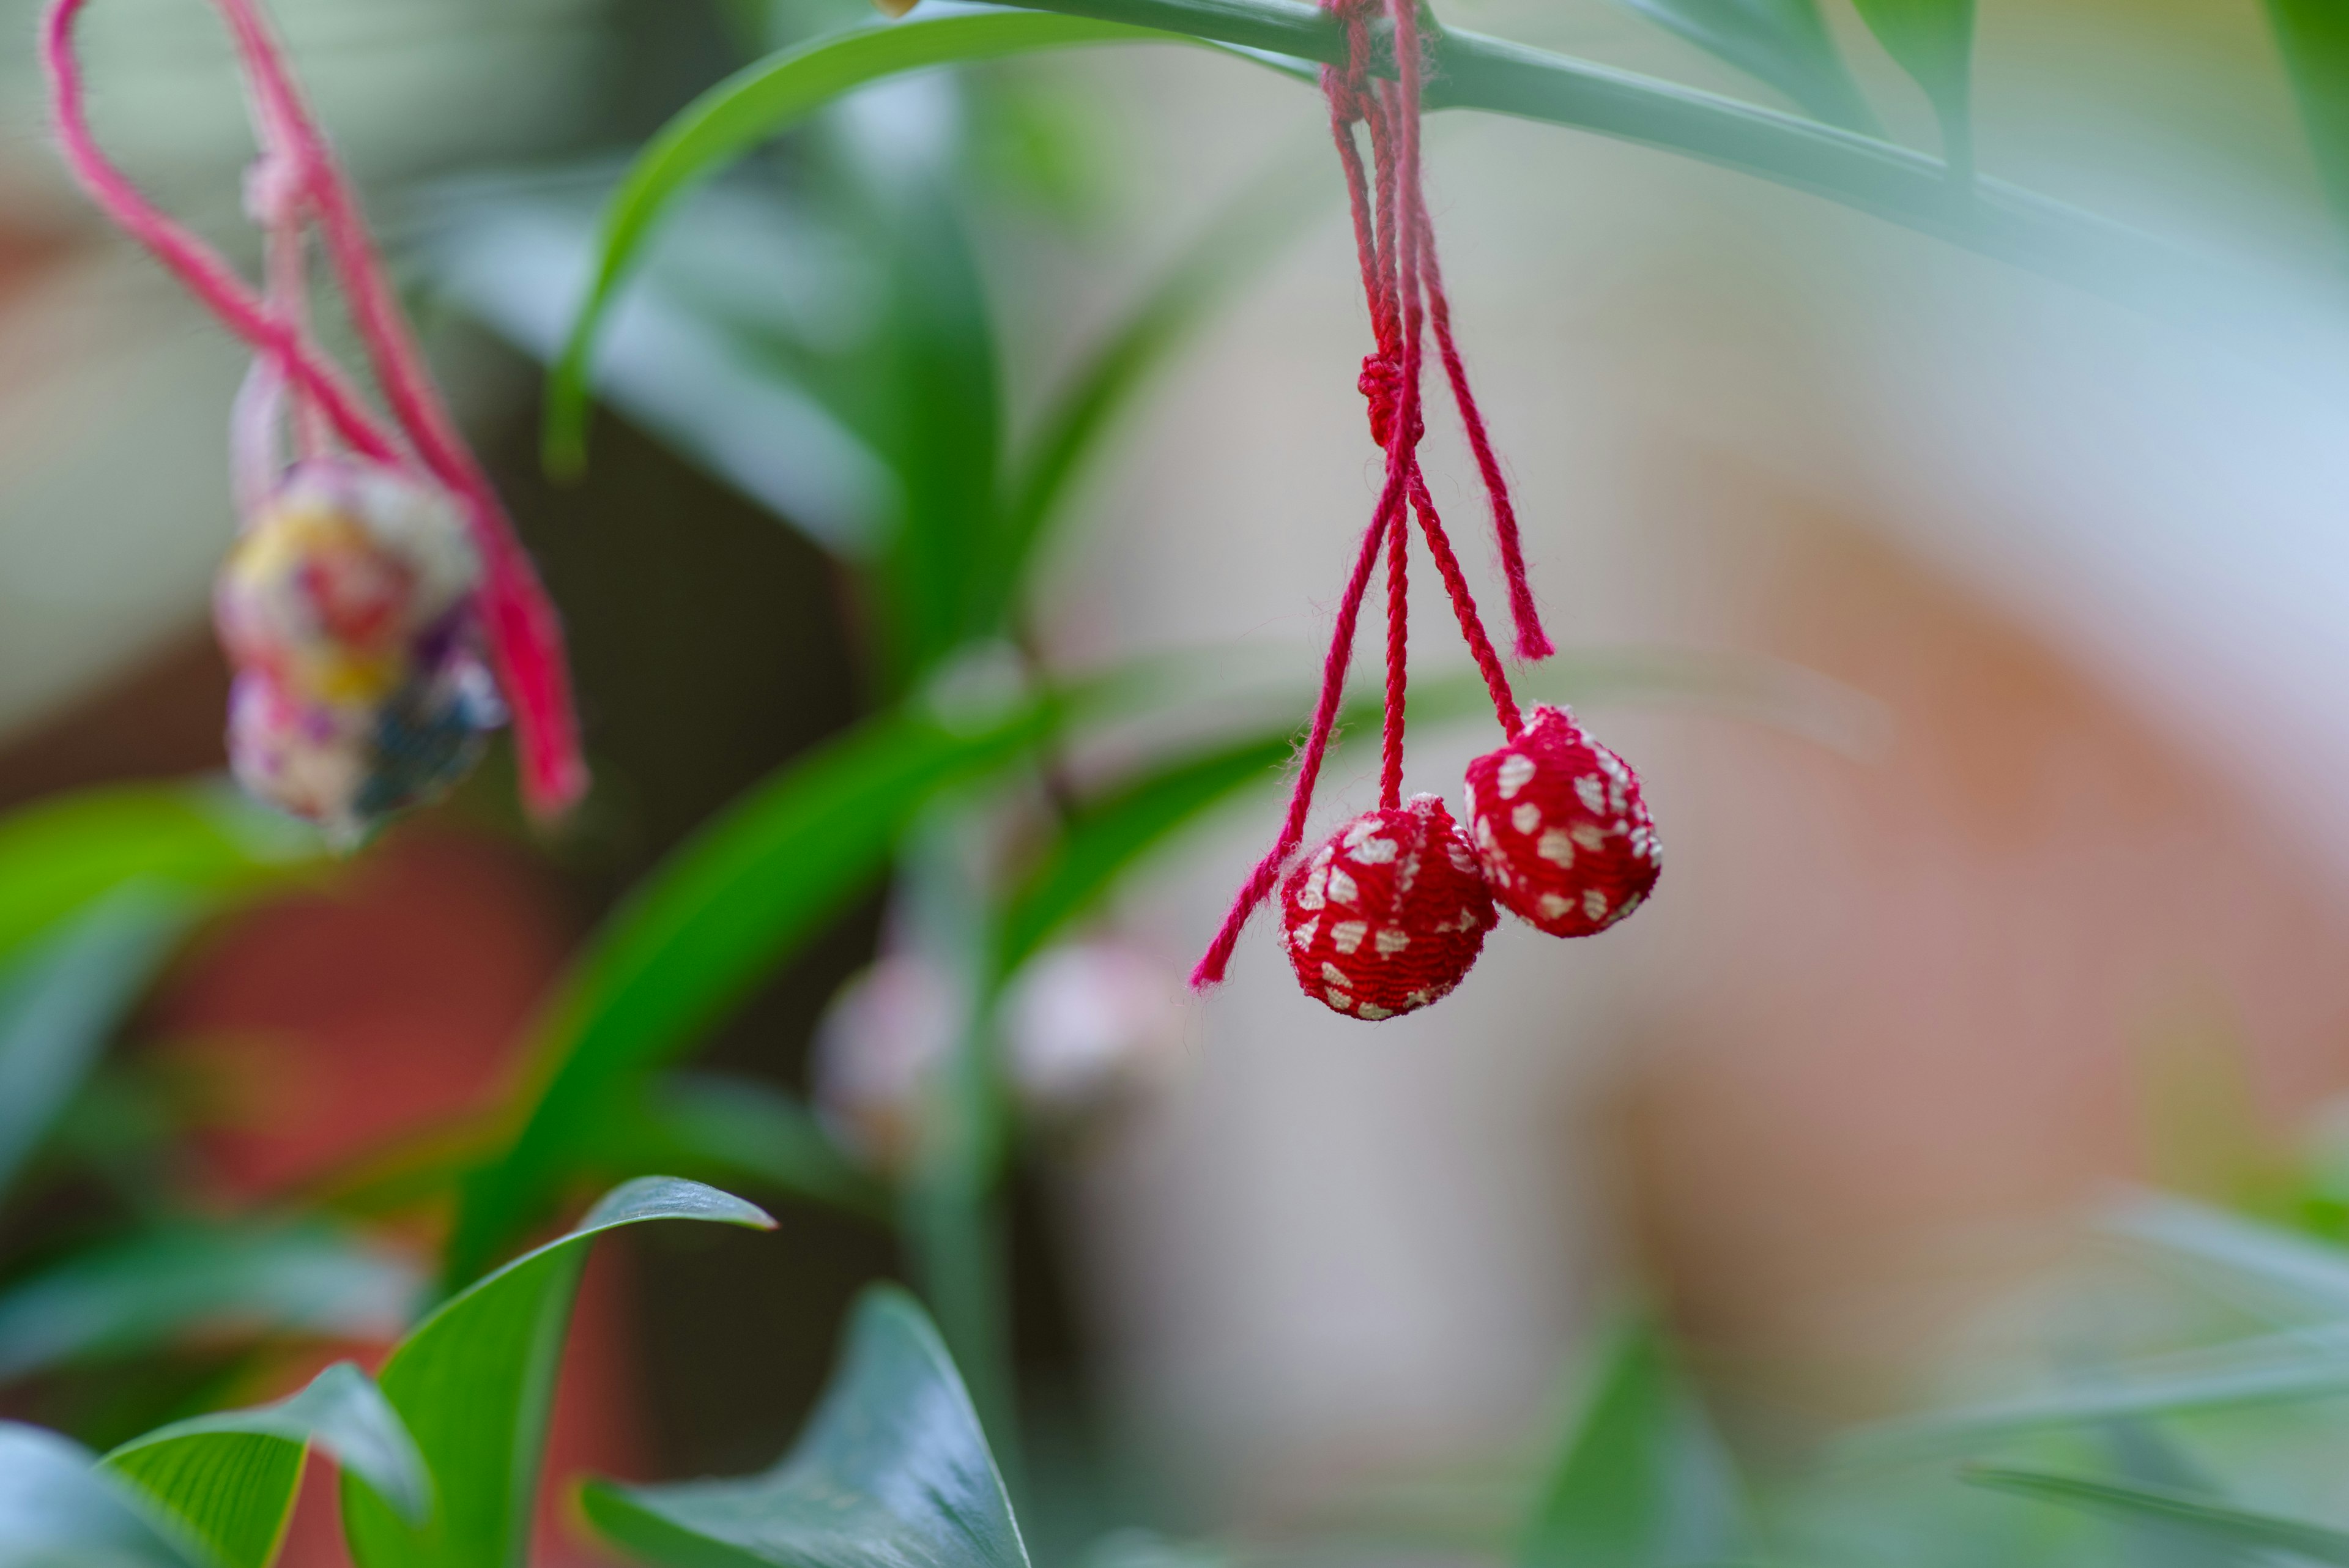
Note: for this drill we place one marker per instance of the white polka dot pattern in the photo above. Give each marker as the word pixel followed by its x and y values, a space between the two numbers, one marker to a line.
pixel 1388 914
pixel 1559 825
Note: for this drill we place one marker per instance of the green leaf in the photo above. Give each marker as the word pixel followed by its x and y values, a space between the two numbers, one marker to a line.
pixel 2313 1273
pixel 62 998
pixel 717 917
pixel 58 1511
pixel 1782 42
pixel 57 855
pixel 740 1132
pixel 2145 1458
pixel 944 436
pixel 891 1472
pixel 2180 1511
pixel 1233 248
pixel 746 109
pixel 229 1480
pixel 2313 37
pixel 1642 1482
pixel 131 1296
pixel 1109 835
pixel 475 1382
pixel 1933 41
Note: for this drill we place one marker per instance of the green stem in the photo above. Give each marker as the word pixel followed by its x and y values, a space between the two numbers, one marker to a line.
pixel 1470 70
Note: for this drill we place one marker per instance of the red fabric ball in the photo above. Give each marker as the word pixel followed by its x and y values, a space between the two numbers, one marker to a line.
pixel 1565 840
pixel 1389 914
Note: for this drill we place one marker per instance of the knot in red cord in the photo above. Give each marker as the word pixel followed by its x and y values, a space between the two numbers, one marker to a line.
pixel 1381 384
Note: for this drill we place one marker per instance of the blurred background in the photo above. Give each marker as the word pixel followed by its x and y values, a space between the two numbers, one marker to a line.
pixel 2030 878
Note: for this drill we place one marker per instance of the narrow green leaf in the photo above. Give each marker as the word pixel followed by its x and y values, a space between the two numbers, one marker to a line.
pixel 719 915
pixel 740 1132
pixel 153 1289
pixel 2178 1509
pixel 1782 42
pixel 1642 1482
pixel 2145 1458
pixel 1109 835
pixel 2313 37
pixel 61 998
pixel 58 1509
pixel 757 102
pixel 229 1480
pixel 1933 41
pixel 944 437
pixel 891 1472
pixel 475 1382
pixel 57 855
pixel 1238 244
pixel 2314 1273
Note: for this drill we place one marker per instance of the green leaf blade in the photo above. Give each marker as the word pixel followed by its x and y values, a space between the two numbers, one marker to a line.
pixel 1784 43
pixel 59 1510
pixel 62 998
pixel 1641 1482
pixel 720 913
pixel 475 1382
pixel 892 1472
pixel 1933 41
pixel 229 1480
pixel 757 102
pixel 2184 1512
pixel 2314 38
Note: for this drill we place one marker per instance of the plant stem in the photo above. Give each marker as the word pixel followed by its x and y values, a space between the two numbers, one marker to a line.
pixel 1470 70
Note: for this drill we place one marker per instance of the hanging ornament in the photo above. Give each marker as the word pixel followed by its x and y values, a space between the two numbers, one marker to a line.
pixel 1561 831
pixel 1389 914
pixel 380 612
pixel 1413 923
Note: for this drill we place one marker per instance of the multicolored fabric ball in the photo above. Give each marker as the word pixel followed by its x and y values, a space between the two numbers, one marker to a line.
pixel 346 606
pixel 1389 914
pixel 1565 840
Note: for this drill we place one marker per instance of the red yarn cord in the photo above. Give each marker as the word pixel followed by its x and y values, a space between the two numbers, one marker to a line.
pixel 1532 641
pixel 1398 658
pixel 1464 605
pixel 1211 967
pixel 525 640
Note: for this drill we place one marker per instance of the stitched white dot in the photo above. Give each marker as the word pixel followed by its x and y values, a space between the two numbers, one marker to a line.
pixel 1347 935
pixel 1526 817
pixel 1302 937
pixel 1593 791
pixel 1372 1012
pixel 1342 889
pixel 1556 847
pixel 1333 974
pixel 1516 771
pixel 1589 835
pixel 1392 941
pixel 1552 906
pixel 1594 903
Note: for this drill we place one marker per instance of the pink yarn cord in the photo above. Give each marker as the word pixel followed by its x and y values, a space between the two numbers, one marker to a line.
pixel 1532 641
pixel 526 638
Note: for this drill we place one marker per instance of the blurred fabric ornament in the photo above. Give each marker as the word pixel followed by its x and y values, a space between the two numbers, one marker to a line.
pixel 1559 826
pixel 1090 1028
pixel 380 612
pixel 1390 914
pixel 875 1046
pixel 347 608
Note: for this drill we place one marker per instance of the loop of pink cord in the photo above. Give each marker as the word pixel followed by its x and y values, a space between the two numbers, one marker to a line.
pixel 1403 286
pixel 524 636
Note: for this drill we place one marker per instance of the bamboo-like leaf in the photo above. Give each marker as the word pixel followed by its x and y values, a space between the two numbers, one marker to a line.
pixel 891 1472
pixel 1234 247
pixel 2313 37
pixel 1642 1482
pixel 693 940
pixel 57 855
pixel 61 998
pixel 475 1382
pixel 2179 1511
pixel 59 1510
pixel 229 1480
pixel 155 1288
pixel 757 102
pixel 1933 40
pixel 1109 835
pixel 1782 42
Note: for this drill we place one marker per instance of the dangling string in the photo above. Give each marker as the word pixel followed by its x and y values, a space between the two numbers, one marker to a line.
pixel 1395 242
pixel 302 181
